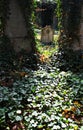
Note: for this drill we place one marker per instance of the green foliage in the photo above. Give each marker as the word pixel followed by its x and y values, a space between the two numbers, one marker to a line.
pixel 70 60
pixel 39 98
pixel 59 13
pixel 46 50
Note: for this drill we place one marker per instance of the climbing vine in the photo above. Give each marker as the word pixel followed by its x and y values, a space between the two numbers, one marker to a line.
pixel 59 13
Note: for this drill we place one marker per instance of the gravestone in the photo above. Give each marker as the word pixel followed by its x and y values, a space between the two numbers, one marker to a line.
pixel 16 28
pixel 47 35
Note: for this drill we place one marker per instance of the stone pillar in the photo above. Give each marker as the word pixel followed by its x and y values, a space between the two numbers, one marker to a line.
pixel 16 28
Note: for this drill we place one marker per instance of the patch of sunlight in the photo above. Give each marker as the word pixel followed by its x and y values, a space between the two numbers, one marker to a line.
pixel 47 50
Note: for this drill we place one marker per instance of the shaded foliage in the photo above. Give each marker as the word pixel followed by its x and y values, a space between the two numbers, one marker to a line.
pixel 44 99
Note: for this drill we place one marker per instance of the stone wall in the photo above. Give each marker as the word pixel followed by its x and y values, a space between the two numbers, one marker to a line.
pixel 16 28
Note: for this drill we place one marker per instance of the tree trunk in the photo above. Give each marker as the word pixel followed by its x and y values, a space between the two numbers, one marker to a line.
pixel 71 38
pixel 17 30
pixel 72 23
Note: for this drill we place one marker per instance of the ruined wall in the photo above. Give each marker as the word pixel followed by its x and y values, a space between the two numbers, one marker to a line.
pixel 16 28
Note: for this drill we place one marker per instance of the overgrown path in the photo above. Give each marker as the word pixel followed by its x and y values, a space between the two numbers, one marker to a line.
pixel 45 99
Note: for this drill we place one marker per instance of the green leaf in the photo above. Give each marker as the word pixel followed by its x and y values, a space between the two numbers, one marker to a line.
pixel 56 127
pixel 81 128
pixel 18 118
pixel 40 126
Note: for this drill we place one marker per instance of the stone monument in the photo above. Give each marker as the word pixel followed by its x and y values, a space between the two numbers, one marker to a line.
pixel 47 35
pixel 16 28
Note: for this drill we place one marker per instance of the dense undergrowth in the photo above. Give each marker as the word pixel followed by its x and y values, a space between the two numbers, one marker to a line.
pixel 45 98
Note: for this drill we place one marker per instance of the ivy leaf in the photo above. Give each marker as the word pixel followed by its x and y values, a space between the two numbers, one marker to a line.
pixel 40 126
pixel 63 125
pixel 81 128
pixel 18 118
pixel 56 127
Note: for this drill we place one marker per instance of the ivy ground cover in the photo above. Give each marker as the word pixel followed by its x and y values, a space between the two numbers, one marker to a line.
pixel 45 99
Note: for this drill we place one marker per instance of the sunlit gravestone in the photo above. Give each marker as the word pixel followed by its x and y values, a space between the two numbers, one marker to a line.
pixel 47 32
pixel 47 35
pixel 16 28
